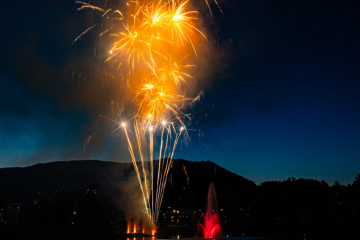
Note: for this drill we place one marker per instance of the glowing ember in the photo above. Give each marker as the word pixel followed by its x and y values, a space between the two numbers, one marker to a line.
pixel 128 227
pixel 134 227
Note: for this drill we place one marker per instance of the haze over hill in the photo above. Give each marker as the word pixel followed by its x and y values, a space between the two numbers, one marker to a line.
pixel 114 180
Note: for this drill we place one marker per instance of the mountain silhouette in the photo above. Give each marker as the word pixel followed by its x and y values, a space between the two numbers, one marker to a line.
pixel 87 195
pixel 40 181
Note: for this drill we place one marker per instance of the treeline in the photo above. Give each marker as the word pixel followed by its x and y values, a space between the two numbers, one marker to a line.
pixel 304 208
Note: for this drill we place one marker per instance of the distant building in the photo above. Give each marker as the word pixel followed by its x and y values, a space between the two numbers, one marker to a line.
pixel 13 211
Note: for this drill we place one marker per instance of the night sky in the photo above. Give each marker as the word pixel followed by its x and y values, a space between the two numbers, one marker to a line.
pixel 281 98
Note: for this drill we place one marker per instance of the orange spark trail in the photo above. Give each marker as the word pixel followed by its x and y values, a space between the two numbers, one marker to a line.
pixel 154 39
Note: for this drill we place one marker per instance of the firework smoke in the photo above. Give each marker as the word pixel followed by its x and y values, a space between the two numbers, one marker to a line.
pixel 151 41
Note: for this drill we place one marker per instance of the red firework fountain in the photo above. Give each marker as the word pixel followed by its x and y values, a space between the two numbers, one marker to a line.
pixel 211 226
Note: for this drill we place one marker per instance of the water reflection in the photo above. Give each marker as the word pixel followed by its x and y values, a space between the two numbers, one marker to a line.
pixel 223 238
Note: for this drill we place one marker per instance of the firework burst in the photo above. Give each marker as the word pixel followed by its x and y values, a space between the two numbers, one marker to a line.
pixel 174 70
pixel 145 39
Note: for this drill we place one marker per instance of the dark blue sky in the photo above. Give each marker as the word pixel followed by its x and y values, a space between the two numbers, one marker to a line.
pixel 284 101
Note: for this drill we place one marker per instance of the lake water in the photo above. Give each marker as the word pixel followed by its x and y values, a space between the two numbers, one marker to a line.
pixel 223 238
